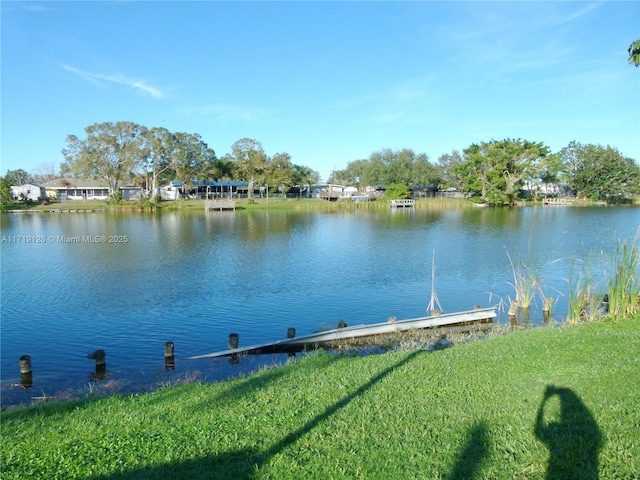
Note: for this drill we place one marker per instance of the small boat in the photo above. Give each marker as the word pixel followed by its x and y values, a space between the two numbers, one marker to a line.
pixel 329 338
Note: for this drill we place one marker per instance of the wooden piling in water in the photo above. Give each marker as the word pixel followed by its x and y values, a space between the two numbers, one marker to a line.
pixel 26 373
pixel 234 340
pixel 101 364
pixel 99 356
pixel 25 364
pixel 169 356
pixel 513 308
pixel 291 333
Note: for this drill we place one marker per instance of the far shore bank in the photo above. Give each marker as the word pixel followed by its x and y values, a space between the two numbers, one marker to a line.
pixel 244 204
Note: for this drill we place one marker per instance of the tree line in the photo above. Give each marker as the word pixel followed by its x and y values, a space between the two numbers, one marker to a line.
pixel 128 152
pixel 497 172
pixel 500 172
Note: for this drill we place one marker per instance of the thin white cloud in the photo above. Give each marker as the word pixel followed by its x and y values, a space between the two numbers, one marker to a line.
pixel 410 92
pixel 227 113
pixel 583 11
pixel 118 79
pixel 30 7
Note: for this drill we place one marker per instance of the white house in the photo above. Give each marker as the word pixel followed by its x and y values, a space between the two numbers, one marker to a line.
pixel 28 191
pixel 172 191
pixel 76 189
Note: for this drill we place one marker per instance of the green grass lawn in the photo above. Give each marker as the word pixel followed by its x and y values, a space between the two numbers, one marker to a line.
pixel 542 403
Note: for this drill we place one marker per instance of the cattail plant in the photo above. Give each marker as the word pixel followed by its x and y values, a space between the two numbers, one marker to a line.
pixel 624 283
pixel 525 281
pixel 584 303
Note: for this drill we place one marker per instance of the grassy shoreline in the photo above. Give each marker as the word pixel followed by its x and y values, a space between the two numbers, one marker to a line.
pixel 477 409
pixel 273 203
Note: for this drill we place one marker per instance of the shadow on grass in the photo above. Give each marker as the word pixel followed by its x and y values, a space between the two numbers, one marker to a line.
pixel 231 389
pixel 237 389
pixel 46 409
pixel 243 464
pixel 470 459
pixel 238 465
pixel 574 439
pixel 293 437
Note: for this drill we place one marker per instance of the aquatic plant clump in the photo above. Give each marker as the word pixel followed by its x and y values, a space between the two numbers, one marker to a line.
pixel 624 284
pixel 616 294
pixel 524 282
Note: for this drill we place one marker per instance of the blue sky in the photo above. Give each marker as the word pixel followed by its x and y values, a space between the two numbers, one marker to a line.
pixel 326 82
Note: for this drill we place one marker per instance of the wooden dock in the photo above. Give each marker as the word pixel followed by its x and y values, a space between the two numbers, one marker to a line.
pixel 359 333
pixel 220 204
pixel 560 201
pixel 402 203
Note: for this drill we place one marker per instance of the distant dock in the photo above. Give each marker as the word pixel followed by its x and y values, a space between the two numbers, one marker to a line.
pixel 561 201
pixel 220 205
pixel 402 203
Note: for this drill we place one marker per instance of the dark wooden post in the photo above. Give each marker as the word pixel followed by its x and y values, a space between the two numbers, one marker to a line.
pixel 169 357
pixel 25 364
pixel 291 333
pixel 99 356
pixel 234 339
pixel 26 374
pixel 101 364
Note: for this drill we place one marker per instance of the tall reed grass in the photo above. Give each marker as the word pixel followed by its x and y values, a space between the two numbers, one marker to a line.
pixel 617 293
pixel 525 282
pixel 624 281
pixel 583 303
pixel 527 285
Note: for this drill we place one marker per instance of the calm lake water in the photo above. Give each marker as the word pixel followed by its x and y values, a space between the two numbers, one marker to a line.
pixel 193 278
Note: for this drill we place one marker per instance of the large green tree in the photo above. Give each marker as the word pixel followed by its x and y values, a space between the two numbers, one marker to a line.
pixel 18 177
pixel 357 173
pixel 425 173
pixel 399 167
pixel 387 167
pixel 5 189
pixel 112 152
pixel 181 156
pixel 496 171
pixel 217 169
pixel 190 157
pixel 160 144
pixel 304 175
pixel 601 173
pixel 280 171
pixel 447 164
pixel 250 162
